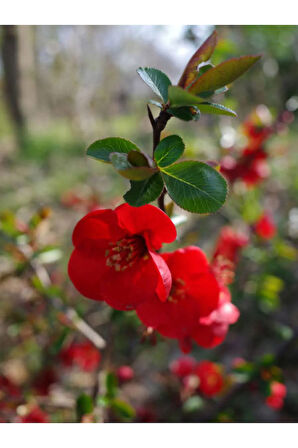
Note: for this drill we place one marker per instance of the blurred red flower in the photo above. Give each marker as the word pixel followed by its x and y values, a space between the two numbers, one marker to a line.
pixel 80 201
pixel 125 373
pixel 265 227
pixel 278 393
pixel 9 392
pixel 83 354
pixel 229 244
pixel 194 294
pixel 212 329
pixel 251 167
pixel 211 378
pixel 36 415
pixel 115 256
pixel 183 366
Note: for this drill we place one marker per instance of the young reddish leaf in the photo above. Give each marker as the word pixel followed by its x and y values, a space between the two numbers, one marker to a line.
pixel 223 74
pixel 203 54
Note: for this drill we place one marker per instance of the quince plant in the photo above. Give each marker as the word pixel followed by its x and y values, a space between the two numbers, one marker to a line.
pixel 193 185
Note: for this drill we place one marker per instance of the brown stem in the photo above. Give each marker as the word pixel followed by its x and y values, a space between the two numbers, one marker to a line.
pixel 161 200
pixel 158 125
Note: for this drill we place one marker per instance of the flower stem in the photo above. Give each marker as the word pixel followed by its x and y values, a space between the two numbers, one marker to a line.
pixel 158 125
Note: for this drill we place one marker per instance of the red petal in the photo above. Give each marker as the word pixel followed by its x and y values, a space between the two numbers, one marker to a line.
pixel 98 225
pixel 205 336
pixel 186 263
pixel 191 265
pixel 164 276
pixel 87 272
pixel 149 221
pixel 124 290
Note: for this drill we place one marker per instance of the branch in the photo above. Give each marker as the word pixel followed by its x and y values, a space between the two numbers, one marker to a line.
pixel 79 324
pixel 158 124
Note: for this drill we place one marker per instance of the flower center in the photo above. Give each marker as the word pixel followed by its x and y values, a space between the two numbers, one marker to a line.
pixel 125 252
pixel 178 290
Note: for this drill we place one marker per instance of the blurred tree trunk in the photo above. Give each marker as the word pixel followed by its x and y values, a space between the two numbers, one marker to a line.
pixel 9 52
pixel 27 70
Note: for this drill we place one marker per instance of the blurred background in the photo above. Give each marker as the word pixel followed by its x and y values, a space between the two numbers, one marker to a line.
pixel 61 88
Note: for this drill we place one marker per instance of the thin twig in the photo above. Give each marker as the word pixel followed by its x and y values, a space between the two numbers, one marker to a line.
pixel 78 323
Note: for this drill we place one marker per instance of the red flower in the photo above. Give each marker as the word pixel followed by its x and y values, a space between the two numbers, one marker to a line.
pixel 229 244
pixel 251 167
pixel 125 373
pixel 278 393
pixel 257 134
pixel 213 328
pixel 194 294
pixel 182 367
pixel 265 227
pixel 115 256
pixel 84 355
pixel 211 378
pixel 36 415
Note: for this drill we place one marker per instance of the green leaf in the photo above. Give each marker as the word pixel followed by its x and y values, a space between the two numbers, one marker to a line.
pixel 121 164
pixel 169 150
pixel 186 113
pixel 179 97
pixel 123 409
pixel 223 74
pixel 156 80
pixel 111 385
pixel 203 54
pixel 143 192
pixel 195 186
pixel 137 158
pixel 84 405
pixel 217 109
pixel 101 149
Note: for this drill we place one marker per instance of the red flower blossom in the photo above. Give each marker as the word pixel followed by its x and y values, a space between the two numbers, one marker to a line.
pixel 115 256
pixel 182 367
pixel 211 378
pixel 36 415
pixel 79 201
pixel 125 373
pixel 251 167
pixel 213 328
pixel 278 393
pixel 257 134
pixel 265 227
pixel 228 247
pixel 84 355
pixel 194 294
